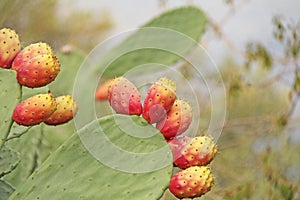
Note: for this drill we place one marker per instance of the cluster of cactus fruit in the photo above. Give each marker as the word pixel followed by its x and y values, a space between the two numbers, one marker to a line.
pixel 172 117
pixel 36 66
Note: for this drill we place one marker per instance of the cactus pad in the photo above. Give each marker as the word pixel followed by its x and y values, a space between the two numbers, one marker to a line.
pixel 5 190
pixel 9 159
pixel 73 173
pixel 10 95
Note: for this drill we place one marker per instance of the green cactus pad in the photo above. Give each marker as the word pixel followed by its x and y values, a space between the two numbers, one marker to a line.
pixel 41 140
pixel 5 190
pixel 28 145
pixel 163 41
pixel 10 95
pixel 70 63
pixel 73 173
pixel 167 39
pixel 9 159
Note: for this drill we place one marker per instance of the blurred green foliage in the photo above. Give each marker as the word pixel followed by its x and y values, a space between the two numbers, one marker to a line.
pixel 257 52
pixel 40 21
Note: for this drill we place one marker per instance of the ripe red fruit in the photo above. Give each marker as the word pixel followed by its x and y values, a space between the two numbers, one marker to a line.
pixel 36 65
pixel 38 71
pixel 9 47
pixel 159 100
pixel 30 52
pixel 66 110
pixel 177 121
pixel 196 151
pixel 192 182
pixel 124 97
pixel 102 90
pixel 34 110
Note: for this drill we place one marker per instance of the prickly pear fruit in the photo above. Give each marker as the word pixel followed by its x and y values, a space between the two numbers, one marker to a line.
pixel 9 47
pixel 38 71
pixel 177 121
pixel 34 110
pixel 159 100
pixel 192 182
pixel 124 97
pixel 196 151
pixel 66 110
pixel 30 52
pixel 102 90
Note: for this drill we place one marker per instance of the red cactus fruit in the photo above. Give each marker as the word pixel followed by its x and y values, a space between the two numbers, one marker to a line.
pixel 192 182
pixel 34 110
pixel 124 97
pixel 38 71
pixel 159 100
pixel 177 121
pixel 102 91
pixel 66 110
pixel 9 47
pixel 30 52
pixel 196 151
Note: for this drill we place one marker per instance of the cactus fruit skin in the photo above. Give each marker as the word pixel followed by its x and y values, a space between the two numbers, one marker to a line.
pixel 159 100
pixel 66 110
pixel 102 91
pixel 177 121
pixel 198 151
pixel 38 71
pixel 30 52
pixel 124 97
pixel 9 47
pixel 192 182
pixel 34 110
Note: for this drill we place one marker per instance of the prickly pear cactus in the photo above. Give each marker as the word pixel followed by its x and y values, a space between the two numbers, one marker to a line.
pixel 70 63
pixel 183 25
pixel 5 190
pixel 41 140
pixel 125 157
pixel 9 159
pixel 30 156
pixel 72 172
pixel 10 95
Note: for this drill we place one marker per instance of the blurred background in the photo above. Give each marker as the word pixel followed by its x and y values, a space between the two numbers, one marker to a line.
pixel 255 44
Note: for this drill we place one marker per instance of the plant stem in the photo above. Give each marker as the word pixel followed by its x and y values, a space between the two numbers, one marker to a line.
pixel 3 139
